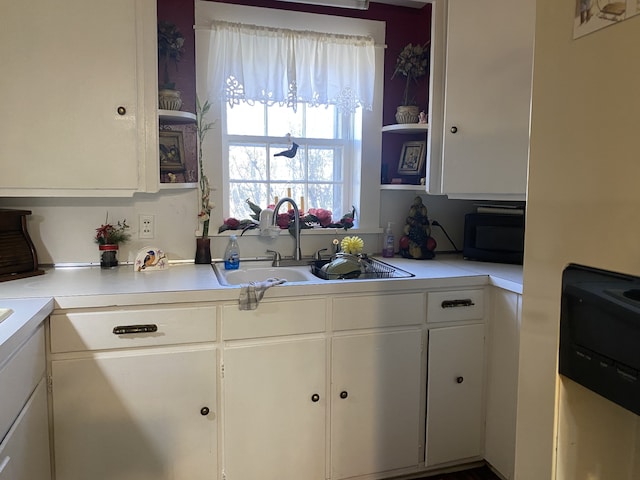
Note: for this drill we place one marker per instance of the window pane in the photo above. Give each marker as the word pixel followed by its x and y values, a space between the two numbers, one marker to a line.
pixel 245 119
pixel 325 164
pixel 247 162
pixel 283 168
pixel 327 196
pixel 239 192
pixel 283 120
pixel 321 122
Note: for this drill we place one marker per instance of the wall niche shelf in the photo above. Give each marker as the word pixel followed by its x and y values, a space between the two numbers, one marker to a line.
pixel 176 116
pixel 406 128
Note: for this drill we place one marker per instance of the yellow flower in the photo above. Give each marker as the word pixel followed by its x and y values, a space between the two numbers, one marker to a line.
pixel 352 245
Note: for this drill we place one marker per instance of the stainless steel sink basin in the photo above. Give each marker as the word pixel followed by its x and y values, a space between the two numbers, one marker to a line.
pixel 259 271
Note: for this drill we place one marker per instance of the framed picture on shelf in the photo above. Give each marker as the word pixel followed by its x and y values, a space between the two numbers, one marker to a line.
pixel 171 152
pixel 412 158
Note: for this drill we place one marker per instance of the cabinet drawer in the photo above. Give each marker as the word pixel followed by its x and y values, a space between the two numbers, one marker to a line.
pixel 19 377
pixel 273 318
pixel 454 306
pixel 370 311
pixel 78 331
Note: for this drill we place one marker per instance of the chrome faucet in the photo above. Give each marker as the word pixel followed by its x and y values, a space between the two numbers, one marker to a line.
pixel 296 218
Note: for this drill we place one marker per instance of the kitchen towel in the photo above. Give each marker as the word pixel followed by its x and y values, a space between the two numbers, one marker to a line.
pixel 252 293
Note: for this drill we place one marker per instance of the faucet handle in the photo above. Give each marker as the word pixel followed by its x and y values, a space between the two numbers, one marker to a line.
pixel 317 255
pixel 276 258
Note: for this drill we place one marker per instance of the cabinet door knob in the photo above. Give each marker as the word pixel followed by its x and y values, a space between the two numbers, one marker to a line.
pixel 121 110
pixel 315 398
pixel 454 129
pixel 344 394
pixel 204 411
pixel 460 379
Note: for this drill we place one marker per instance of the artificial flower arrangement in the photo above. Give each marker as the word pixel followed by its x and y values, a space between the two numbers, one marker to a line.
pixel 313 218
pixel 170 48
pixel 412 63
pixel 108 234
pixel 205 188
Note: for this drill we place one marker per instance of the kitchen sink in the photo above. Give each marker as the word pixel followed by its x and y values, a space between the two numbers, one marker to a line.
pixel 259 271
pixel 305 271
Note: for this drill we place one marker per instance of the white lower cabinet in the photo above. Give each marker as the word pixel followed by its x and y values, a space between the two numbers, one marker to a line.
pixel 454 394
pixel 353 387
pixel 455 376
pixel 274 410
pixel 502 380
pixel 24 426
pixel 130 411
pixel 24 453
pixel 375 402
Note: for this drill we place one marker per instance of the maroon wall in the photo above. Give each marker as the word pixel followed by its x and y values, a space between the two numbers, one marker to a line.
pixel 404 25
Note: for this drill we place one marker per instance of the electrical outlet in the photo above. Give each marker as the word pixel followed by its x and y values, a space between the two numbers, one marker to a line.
pixel 146 226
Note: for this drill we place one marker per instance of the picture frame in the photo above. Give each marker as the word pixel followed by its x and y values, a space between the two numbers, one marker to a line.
pixel 411 158
pixel 171 152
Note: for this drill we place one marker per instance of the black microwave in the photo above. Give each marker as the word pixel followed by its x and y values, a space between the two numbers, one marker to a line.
pixel 494 237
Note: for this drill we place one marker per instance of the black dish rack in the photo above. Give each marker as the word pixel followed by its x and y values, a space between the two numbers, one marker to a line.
pixel 369 268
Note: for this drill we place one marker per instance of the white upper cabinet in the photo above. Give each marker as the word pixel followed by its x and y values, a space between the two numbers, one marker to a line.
pixel 79 108
pixel 482 61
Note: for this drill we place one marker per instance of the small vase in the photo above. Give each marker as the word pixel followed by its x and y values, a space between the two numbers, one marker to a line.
pixel 407 114
pixel 169 99
pixel 108 255
pixel 203 250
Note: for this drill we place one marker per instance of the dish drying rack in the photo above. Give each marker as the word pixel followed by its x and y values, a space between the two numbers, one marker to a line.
pixel 369 268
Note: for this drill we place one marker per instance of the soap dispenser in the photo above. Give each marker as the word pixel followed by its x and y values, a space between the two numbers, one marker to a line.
pixel 388 244
pixel 232 254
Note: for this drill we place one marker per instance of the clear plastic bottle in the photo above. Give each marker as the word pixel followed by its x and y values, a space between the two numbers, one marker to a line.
pixel 387 246
pixel 232 254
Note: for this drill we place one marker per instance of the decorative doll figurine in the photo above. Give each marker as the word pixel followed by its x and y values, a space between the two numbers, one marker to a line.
pixel 422 118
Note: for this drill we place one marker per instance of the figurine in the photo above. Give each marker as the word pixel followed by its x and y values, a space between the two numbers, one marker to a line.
pixel 422 118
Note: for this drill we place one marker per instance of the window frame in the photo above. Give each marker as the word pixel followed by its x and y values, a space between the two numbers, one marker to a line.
pixel 365 180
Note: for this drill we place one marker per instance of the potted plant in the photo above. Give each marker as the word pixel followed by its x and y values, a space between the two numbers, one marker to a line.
pixel 203 243
pixel 170 49
pixel 412 63
pixel 109 237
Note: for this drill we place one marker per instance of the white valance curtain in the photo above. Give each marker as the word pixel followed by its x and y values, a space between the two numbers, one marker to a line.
pixel 272 65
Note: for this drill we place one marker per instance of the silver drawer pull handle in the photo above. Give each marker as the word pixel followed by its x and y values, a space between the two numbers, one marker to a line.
pixel 130 329
pixel 466 302
pixel 4 463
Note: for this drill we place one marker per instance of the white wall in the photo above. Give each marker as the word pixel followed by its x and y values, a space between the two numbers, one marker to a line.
pixel 582 206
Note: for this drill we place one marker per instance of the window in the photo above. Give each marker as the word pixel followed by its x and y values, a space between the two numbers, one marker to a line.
pixel 316 177
pixel 335 123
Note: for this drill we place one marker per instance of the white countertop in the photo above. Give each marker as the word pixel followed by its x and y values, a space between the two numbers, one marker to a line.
pixel 28 314
pixel 85 287
pixel 33 298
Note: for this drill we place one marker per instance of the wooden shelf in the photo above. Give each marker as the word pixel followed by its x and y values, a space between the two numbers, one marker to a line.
pixel 176 116
pixel 405 187
pixel 406 128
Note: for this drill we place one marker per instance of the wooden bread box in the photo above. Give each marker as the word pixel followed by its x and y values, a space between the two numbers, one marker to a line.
pixel 18 258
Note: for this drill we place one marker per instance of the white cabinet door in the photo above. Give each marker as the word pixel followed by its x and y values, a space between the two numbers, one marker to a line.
pixel 454 393
pixel 24 452
pixel 375 399
pixel 79 106
pixel 489 62
pixel 502 380
pixel 136 415
pixel 274 410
